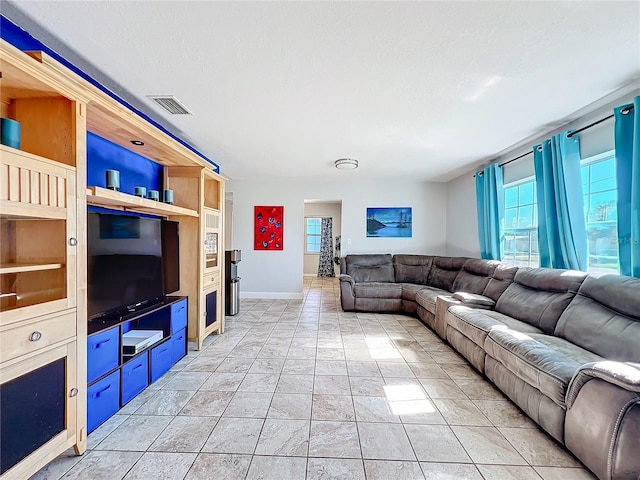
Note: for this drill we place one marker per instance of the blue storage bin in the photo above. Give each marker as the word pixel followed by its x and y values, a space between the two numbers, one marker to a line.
pixel 178 345
pixel 160 360
pixel 103 400
pixel 103 352
pixel 135 377
pixel 178 316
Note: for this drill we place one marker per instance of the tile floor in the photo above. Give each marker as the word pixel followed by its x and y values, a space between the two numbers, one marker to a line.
pixel 300 390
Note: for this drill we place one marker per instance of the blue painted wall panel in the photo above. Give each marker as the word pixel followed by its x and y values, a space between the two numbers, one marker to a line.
pixel 135 170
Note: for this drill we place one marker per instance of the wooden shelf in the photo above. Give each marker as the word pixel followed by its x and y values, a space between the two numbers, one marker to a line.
pixel 102 197
pixel 28 267
pixel 20 210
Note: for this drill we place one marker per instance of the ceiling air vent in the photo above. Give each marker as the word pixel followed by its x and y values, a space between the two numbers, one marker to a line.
pixel 170 104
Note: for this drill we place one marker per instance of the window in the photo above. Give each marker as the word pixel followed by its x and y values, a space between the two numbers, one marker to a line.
pixel 312 235
pixel 521 224
pixel 599 189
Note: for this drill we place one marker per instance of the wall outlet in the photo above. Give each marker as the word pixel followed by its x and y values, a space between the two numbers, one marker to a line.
pixel 348 241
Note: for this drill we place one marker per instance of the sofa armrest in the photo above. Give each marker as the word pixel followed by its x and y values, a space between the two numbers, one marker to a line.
pixel 347 295
pixel 343 277
pixel 474 300
pixel 623 375
pixel 443 302
pixel 602 423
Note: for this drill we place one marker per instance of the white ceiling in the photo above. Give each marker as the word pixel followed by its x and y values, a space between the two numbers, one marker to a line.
pixel 410 89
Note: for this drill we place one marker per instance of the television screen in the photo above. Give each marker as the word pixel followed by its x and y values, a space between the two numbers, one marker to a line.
pixel 124 262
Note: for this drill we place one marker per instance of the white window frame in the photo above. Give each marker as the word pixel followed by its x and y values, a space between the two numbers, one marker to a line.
pixel 533 228
pixel 583 163
pixel 307 235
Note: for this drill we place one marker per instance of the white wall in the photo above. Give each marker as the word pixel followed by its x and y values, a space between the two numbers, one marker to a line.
pixel 278 274
pixel 462 222
pixel 228 221
pixel 326 210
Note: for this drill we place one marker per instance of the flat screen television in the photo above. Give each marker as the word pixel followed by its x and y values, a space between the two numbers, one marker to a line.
pixel 126 269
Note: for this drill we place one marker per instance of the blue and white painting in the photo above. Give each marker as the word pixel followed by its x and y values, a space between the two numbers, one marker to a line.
pixel 389 222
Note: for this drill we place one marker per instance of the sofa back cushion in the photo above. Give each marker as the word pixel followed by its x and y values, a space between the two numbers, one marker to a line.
pixel 538 296
pixel 604 318
pixel 370 267
pixel 502 277
pixel 474 276
pixel 444 272
pixel 412 268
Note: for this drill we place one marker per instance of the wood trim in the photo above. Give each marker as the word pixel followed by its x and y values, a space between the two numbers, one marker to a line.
pixel 16 63
pixel 27 267
pixel 19 314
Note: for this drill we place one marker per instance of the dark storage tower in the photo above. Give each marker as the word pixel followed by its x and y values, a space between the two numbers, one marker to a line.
pixel 232 300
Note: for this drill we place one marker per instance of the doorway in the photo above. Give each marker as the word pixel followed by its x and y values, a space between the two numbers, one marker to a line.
pixel 313 211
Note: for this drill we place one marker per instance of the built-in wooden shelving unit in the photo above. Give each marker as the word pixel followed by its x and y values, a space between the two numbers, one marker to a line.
pixel 43 246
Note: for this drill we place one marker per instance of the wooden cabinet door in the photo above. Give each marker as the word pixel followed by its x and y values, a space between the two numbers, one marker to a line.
pixel 39 396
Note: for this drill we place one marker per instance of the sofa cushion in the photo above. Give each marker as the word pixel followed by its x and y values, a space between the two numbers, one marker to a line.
pixel 410 290
pixel 426 297
pixel 474 276
pixel 412 268
pixel 538 296
pixel 502 277
pixel 377 290
pixel 444 272
pixel 473 299
pixel 604 318
pixel 370 267
pixel 545 362
pixel 476 324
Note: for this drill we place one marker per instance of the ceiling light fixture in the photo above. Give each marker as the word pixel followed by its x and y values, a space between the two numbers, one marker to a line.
pixel 346 163
pixel 137 143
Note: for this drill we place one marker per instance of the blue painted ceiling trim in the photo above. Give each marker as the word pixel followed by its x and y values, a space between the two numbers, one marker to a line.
pixel 24 41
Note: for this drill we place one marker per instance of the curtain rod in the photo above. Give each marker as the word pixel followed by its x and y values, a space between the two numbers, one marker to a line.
pixel 480 173
pixel 575 132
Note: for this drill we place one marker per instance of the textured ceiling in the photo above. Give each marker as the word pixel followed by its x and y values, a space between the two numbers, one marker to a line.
pixel 282 89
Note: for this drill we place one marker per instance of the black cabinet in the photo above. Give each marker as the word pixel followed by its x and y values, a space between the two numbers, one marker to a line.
pixel 211 303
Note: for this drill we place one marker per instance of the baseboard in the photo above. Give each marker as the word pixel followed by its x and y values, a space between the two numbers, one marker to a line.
pixel 272 295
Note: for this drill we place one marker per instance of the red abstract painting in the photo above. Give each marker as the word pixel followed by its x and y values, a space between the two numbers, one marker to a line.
pixel 269 228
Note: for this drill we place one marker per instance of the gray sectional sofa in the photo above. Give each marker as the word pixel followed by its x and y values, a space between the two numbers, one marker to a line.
pixel 561 344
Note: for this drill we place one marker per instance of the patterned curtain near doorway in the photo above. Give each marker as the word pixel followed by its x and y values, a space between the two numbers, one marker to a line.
pixel 325 263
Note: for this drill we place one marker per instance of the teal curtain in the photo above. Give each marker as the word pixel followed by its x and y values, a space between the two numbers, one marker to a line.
pixel 562 232
pixel 627 138
pixel 490 201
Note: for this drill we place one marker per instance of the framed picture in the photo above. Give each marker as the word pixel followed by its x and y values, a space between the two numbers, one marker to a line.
pixel 389 222
pixel 269 228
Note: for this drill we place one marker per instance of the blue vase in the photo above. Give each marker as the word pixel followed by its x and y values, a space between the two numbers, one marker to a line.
pixel 10 132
